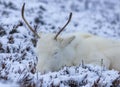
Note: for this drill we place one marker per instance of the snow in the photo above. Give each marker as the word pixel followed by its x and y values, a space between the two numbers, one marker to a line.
pixel 17 42
pixel 79 76
pixel 8 85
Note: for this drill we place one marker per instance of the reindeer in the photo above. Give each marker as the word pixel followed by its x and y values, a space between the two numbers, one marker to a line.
pixel 55 51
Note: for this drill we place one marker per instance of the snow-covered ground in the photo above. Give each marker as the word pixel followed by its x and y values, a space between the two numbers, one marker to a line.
pixel 17 42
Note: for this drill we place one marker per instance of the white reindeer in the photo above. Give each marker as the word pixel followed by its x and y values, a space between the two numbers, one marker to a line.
pixel 54 51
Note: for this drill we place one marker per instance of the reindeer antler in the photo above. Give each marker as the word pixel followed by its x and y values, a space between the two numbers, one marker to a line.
pixel 22 13
pixel 70 16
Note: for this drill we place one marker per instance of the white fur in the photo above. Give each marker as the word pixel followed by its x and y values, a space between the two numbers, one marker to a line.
pixel 71 49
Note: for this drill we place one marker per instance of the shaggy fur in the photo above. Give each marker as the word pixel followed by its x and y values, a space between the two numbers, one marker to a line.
pixel 71 49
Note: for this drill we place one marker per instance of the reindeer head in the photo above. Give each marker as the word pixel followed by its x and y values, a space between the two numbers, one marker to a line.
pixel 51 49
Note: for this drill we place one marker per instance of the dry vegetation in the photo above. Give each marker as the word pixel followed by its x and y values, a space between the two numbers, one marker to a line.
pixel 18 60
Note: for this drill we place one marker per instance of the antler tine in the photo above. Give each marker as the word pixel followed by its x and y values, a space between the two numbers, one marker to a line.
pixel 70 16
pixel 22 13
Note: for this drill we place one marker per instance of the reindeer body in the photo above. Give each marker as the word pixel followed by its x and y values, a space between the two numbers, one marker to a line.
pixel 71 49
pixel 55 51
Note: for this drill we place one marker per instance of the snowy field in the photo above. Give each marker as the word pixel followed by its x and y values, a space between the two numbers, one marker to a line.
pixel 18 59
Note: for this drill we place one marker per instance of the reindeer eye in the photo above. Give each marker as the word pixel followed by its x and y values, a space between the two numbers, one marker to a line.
pixel 55 53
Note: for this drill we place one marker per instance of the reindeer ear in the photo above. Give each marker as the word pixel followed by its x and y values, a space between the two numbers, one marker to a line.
pixel 65 42
pixel 40 33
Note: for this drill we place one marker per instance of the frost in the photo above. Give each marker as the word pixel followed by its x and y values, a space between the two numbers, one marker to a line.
pixel 17 43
